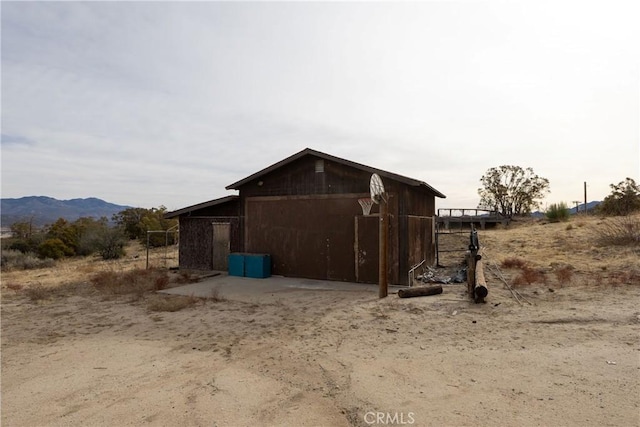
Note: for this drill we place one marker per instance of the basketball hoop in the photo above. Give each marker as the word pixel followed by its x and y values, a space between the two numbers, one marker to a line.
pixel 377 189
pixel 366 204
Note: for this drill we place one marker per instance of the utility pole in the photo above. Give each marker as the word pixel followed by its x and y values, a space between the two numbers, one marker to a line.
pixel 585 197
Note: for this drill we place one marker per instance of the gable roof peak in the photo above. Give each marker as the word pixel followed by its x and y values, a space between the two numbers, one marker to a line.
pixel 325 156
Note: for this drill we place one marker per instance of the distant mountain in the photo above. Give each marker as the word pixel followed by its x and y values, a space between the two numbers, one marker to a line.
pixel 46 210
pixel 572 211
pixel 580 208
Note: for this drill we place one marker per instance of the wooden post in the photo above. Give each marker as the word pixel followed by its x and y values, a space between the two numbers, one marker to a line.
pixel 471 274
pixel 383 241
pixel 480 290
pixel 585 197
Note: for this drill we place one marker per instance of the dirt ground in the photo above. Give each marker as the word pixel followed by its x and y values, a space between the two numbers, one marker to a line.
pixel 568 354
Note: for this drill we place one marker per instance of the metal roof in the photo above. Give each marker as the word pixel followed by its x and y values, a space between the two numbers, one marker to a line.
pixel 203 205
pixel 311 152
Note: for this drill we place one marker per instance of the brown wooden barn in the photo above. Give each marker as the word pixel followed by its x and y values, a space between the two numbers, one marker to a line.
pixel 209 231
pixel 303 211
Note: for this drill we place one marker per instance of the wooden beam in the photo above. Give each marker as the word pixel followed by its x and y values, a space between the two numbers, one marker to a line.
pixel 420 291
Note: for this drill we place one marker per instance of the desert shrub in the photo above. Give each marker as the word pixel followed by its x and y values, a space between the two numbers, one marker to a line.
pixel 106 280
pixel 619 231
pixel 39 292
pixel 65 236
pixel 21 245
pixel 54 248
pixel 186 277
pixel 16 260
pixel 36 292
pixel 558 212
pixel 171 303
pixel 26 245
pixel 161 282
pixel 564 274
pixel 528 276
pixel 216 296
pixel 110 243
pixel 136 281
pixel 514 263
pixel 629 277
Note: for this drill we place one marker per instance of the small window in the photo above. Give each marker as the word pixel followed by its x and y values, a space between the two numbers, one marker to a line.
pixel 319 166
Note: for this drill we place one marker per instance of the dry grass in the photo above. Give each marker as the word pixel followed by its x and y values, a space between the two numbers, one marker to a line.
pixel 619 231
pixel 78 269
pixel 564 275
pixel 185 277
pixel 137 284
pixel 529 276
pixel 37 293
pixel 91 276
pixel 136 281
pixel 14 286
pixel 574 255
pixel 514 263
pixel 216 295
pixel 12 260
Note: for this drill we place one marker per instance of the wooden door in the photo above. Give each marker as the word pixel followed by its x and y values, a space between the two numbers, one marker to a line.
pixel 221 239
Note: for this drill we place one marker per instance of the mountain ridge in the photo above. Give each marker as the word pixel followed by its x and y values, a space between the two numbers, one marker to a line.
pixel 572 211
pixel 46 210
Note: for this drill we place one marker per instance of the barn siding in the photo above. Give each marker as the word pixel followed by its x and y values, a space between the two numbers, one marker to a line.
pixel 196 242
pixel 306 236
pixel 300 178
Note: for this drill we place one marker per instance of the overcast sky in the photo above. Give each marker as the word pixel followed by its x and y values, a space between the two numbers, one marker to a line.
pixel 148 104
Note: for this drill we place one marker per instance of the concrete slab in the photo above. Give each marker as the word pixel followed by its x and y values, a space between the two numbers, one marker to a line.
pixel 251 290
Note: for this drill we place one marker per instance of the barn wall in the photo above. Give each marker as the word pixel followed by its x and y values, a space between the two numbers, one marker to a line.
pixel 195 250
pixel 367 250
pixel 307 236
pixel 300 178
pixel 420 238
pixel 301 217
pixel 228 209
pixel 196 242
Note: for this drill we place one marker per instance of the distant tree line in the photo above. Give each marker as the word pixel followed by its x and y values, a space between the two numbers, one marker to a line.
pixel 515 191
pixel 87 236
pixel 623 200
